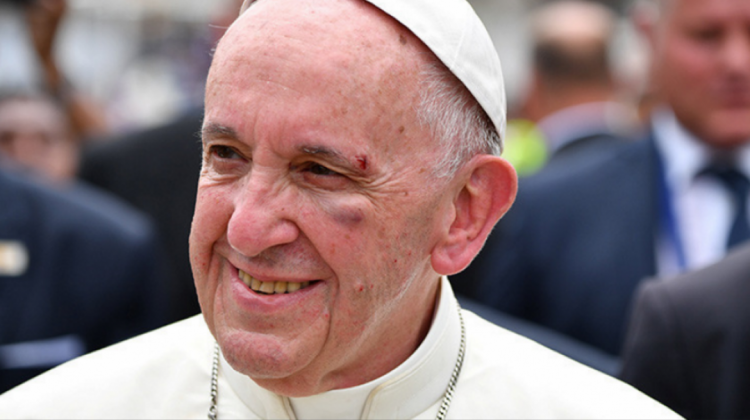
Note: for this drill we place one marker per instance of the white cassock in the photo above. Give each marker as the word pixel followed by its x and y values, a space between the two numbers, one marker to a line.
pixel 167 374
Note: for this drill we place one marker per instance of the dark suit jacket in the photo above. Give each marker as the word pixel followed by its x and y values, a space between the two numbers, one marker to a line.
pixel 590 147
pixel 92 277
pixel 574 246
pixel 157 172
pixel 688 344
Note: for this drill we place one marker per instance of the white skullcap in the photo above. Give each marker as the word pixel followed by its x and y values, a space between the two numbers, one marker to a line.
pixel 455 34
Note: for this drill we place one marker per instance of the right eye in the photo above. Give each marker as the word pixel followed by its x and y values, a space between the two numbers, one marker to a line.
pixel 224 160
pixel 223 152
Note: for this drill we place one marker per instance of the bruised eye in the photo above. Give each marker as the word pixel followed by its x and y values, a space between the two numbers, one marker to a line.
pixel 321 170
pixel 319 176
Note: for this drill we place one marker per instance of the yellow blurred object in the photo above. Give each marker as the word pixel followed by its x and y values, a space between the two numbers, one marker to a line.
pixel 525 147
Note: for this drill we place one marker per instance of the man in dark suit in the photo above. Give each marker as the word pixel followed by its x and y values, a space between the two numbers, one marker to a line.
pixel 573 93
pixel 579 239
pixel 548 263
pixel 689 340
pixel 156 170
pixel 78 271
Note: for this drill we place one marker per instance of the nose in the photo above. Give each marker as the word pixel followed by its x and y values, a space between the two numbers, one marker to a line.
pixel 261 217
pixel 736 53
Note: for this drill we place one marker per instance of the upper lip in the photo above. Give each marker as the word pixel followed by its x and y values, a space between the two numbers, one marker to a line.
pixel 258 270
pixel 267 276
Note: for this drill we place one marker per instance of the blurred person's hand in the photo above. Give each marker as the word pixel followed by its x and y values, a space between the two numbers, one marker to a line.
pixel 43 18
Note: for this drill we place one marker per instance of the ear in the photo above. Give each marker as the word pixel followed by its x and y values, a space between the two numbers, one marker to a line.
pixel 645 17
pixel 487 190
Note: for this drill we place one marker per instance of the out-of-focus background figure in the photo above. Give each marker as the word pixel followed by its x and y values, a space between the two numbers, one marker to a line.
pixel 35 136
pixel 42 129
pixel 689 340
pixel 145 73
pixel 580 239
pixel 574 97
pixel 79 270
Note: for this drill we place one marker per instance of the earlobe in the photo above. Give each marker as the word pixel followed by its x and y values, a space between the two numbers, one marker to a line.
pixel 487 193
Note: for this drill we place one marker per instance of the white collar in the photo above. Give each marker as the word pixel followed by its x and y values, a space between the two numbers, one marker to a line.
pixel 408 390
pixel 683 154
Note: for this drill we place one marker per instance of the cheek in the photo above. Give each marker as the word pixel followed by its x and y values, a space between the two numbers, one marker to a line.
pixel 212 212
pixel 346 217
pixel 687 63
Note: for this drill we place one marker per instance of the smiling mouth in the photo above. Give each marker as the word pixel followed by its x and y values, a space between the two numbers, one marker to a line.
pixel 271 287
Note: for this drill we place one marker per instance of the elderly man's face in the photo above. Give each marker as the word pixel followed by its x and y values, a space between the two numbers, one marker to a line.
pixel 317 210
pixel 703 67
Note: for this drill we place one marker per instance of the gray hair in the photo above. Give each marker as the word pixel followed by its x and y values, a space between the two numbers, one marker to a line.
pixel 456 120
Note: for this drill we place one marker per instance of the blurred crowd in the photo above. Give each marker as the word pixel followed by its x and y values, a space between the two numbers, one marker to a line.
pixel 97 193
pixel 634 160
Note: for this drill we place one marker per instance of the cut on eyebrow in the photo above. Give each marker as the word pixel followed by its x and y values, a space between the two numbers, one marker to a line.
pixel 218 130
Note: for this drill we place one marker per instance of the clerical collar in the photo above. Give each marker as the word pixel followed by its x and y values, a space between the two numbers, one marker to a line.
pixel 410 389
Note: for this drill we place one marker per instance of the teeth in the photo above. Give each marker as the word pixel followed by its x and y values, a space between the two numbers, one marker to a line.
pixel 280 287
pixel 267 287
pixel 270 287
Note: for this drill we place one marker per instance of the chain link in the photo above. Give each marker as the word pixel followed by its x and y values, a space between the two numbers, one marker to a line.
pixel 213 411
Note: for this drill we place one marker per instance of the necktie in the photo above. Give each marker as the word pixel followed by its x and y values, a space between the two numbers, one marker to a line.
pixel 739 186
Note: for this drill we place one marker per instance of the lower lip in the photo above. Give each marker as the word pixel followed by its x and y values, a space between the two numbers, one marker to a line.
pixel 258 302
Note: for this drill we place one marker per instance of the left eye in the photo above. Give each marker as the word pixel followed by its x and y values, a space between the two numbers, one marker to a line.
pixel 317 169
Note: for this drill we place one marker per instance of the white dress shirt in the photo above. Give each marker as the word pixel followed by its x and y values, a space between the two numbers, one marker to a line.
pixel 702 206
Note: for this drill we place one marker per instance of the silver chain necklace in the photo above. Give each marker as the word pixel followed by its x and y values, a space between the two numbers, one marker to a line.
pixel 444 405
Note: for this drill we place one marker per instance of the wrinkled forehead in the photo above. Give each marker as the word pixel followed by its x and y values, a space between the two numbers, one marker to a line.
pixel 349 44
pixel 452 31
pixel 340 25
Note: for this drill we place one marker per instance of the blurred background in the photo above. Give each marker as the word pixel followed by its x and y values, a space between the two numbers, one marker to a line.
pixel 144 61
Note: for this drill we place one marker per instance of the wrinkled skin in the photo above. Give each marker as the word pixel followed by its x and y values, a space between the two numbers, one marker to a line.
pixel 316 170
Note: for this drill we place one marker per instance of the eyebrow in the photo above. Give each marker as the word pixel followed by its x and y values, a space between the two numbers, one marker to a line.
pixel 359 164
pixel 218 130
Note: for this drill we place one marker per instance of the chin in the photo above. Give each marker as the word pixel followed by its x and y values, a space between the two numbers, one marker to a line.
pixel 262 356
pixel 270 367
pixel 730 139
pixel 728 130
